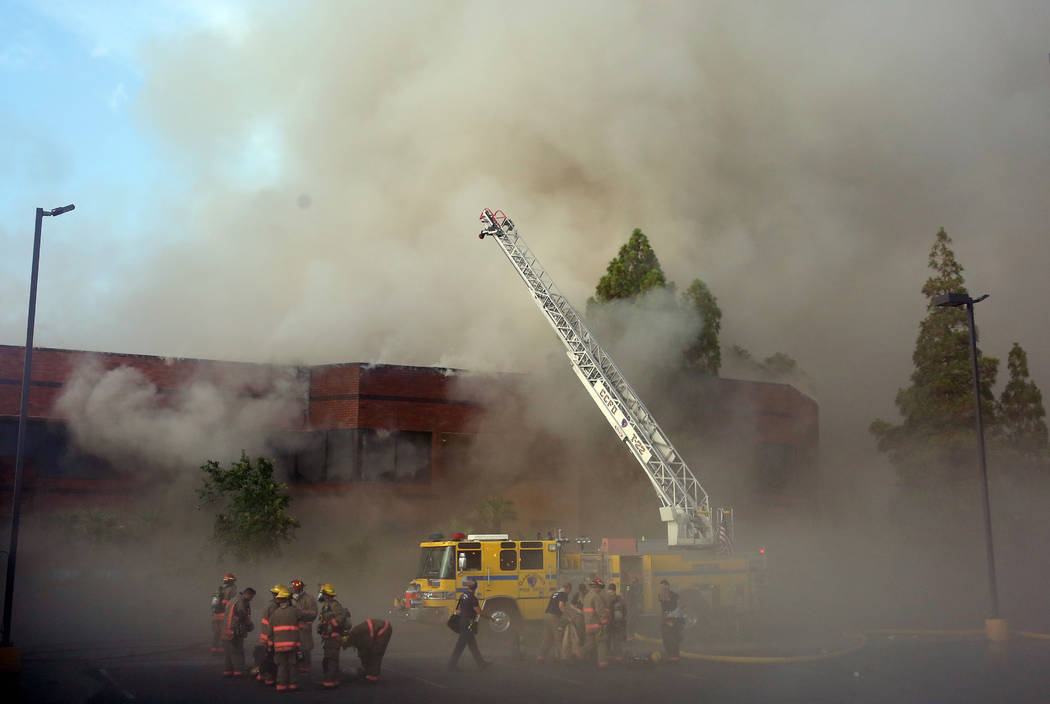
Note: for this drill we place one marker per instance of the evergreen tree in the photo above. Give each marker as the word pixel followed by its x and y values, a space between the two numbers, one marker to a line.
pixel 704 353
pixel 936 439
pixel 1022 426
pixel 634 271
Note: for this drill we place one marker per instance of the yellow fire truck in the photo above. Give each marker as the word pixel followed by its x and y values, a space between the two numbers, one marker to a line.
pixel 516 577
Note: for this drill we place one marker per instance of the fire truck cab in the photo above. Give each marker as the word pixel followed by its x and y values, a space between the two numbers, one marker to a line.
pixel 515 577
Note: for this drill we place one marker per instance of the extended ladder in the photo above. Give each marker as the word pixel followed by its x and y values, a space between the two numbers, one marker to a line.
pixel 685 506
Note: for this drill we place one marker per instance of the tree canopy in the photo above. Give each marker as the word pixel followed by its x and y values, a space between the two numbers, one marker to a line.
pixel 632 272
pixel 936 438
pixel 705 353
pixel 252 520
pixel 1022 424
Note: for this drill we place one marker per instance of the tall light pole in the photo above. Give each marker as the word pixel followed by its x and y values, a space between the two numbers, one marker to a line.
pixel 23 412
pixel 996 627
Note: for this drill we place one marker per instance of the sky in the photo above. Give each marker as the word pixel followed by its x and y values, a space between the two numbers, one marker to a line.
pixel 300 182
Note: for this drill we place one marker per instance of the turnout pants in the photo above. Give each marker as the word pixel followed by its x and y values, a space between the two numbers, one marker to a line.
pixel 598 646
pixel 330 662
pixel 286 671
pixel 671 630
pixel 617 641
pixel 234 655
pixel 216 633
pixel 306 645
pixel 372 658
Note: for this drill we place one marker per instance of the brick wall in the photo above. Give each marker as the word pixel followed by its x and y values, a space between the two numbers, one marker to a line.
pixel 389 397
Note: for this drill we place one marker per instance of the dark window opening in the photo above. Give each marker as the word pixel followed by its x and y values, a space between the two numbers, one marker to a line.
pixel 508 559
pixel 395 456
pixel 532 559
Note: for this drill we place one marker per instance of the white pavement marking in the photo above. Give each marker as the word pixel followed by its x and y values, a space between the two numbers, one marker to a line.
pixel 420 679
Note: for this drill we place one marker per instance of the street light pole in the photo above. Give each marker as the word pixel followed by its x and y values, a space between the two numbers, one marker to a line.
pixel 23 412
pixel 996 627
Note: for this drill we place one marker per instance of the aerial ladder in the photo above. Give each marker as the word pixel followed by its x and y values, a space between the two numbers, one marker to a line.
pixel 685 506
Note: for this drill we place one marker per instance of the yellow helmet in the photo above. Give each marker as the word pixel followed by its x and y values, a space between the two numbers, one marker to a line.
pixel 328 589
pixel 282 593
pixel 276 588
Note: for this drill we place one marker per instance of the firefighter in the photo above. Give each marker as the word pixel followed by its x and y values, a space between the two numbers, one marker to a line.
pixel 219 600
pixel 370 637
pixel 267 669
pixel 236 624
pixel 596 621
pixel 554 622
pixel 632 594
pixel 283 633
pixel 468 610
pixel 332 624
pixel 307 607
pixel 670 623
pixel 617 624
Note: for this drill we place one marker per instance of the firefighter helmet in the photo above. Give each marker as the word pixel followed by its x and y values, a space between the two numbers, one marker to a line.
pixel 276 588
pixel 282 592
pixel 297 585
pixel 228 577
pixel 596 582
pixel 328 590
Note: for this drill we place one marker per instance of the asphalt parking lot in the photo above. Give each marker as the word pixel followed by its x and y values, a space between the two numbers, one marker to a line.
pixel 901 669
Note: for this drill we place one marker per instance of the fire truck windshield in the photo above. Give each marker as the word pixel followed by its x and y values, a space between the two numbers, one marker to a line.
pixel 437 562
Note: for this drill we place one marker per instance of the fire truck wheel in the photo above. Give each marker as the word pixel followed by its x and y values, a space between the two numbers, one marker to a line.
pixel 505 617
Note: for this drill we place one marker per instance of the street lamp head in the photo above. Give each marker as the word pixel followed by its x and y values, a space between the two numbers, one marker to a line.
pixel 55 212
pixel 951 300
pixel 954 300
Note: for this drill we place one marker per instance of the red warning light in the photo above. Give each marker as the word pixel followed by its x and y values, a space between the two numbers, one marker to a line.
pixel 761 551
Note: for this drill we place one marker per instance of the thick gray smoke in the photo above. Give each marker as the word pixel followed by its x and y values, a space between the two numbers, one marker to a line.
pixel 798 157
pixel 119 414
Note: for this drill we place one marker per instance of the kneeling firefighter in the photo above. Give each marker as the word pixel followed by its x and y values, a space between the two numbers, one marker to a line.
pixel 370 637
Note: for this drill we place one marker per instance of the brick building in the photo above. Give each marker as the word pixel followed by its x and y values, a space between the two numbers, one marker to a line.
pixel 356 424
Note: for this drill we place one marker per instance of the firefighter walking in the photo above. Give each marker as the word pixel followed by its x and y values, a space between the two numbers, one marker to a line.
pixel 468 610
pixel 282 632
pixel 307 607
pixel 332 623
pixel 596 620
pixel 237 623
pixel 370 637
pixel 219 601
